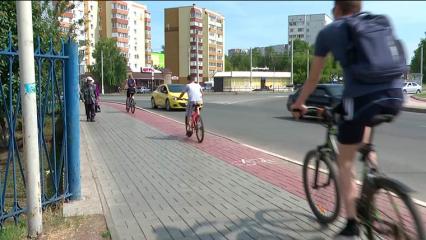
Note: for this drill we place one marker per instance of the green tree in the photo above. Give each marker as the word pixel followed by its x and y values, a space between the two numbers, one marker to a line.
pixel 46 26
pixel 415 61
pixel 114 64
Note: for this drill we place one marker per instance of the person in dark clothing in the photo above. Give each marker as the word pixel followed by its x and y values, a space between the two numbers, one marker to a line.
pixel 89 98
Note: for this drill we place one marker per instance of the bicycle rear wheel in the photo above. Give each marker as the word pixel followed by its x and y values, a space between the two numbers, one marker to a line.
pixel 199 129
pixel 393 214
pixel 320 184
pixel 132 106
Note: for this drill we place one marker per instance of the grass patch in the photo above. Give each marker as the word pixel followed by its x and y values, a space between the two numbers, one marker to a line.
pixel 106 235
pixel 14 232
pixel 56 226
pixel 422 95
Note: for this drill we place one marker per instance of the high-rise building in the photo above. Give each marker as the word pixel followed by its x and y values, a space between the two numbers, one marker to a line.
pixel 194 42
pixel 128 22
pixel 306 27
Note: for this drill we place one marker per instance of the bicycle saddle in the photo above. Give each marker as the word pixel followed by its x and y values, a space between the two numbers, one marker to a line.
pixel 381 118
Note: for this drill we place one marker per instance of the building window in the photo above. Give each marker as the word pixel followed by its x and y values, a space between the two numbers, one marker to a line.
pixel 300 29
pixel 136 66
pixel 135 31
pixel 135 48
pixel 134 22
pixel 91 26
pixel 91 35
pixel 134 13
pixel 91 8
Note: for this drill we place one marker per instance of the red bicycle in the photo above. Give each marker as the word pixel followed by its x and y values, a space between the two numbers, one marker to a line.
pixel 195 123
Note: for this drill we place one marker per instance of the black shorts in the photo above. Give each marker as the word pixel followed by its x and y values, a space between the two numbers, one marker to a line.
pixel 130 91
pixel 358 112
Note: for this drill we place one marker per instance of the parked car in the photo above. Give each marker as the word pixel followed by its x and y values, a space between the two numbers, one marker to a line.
pixel 325 95
pixel 412 87
pixel 143 90
pixel 166 96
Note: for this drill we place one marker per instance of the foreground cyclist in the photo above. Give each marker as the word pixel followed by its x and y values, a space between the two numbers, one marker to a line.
pixel 363 97
pixel 195 96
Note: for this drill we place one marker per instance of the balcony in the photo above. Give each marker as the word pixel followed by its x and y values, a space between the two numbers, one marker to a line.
pixel 120 20
pixel 147 28
pixel 120 39
pixel 120 11
pixel 120 30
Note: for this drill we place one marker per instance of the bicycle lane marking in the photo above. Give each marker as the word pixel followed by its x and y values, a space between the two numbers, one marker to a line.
pixel 286 175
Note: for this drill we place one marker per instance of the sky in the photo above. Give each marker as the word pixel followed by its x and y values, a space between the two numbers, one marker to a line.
pixel 264 23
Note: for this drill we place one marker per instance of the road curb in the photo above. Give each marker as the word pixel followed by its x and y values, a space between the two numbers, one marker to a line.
pixel 419 98
pixel 299 163
pixel 415 110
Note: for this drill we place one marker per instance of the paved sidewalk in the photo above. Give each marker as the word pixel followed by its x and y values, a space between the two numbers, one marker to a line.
pixel 154 183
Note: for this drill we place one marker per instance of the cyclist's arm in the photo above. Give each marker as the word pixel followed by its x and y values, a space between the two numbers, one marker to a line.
pixel 312 81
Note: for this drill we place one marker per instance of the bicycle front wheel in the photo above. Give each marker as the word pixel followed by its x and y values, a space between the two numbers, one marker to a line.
pixel 393 214
pixel 127 105
pixel 199 129
pixel 320 184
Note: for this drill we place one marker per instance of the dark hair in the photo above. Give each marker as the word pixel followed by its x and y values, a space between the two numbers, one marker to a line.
pixel 348 7
pixel 188 78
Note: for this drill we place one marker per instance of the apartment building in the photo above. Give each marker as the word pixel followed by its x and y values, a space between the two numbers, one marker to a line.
pixel 194 42
pixel 128 22
pixel 306 27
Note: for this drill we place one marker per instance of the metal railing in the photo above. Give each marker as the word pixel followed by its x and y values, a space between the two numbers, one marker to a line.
pixel 50 70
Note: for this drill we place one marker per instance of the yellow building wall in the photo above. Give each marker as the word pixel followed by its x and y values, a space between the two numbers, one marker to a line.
pixel 184 16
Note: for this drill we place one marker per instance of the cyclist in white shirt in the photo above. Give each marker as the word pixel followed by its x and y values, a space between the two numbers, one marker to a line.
pixel 195 96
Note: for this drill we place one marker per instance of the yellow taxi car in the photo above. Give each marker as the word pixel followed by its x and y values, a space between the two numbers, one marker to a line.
pixel 166 96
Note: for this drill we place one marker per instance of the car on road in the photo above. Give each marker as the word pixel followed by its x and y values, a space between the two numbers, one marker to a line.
pixel 412 87
pixel 325 95
pixel 142 90
pixel 166 96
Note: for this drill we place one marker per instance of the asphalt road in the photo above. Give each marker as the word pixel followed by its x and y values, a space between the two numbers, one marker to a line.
pixel 261 120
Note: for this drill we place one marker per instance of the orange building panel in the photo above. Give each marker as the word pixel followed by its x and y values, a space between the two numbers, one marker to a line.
pixel 120 11
pixel 120 39
pixel 120 30
pixel 119 20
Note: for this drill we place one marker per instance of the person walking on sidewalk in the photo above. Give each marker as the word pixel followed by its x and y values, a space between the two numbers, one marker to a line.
pixel 195 96
pixel 367 92
pixel 89 98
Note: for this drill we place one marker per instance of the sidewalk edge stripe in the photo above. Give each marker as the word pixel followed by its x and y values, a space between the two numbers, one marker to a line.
pixel 417 201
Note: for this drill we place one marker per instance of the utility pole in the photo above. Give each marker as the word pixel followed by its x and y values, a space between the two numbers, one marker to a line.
pixel 421 64
pixel 29 112
pixel 196 42
pixel 307 64
pixel 292 43
pixel 251 66
pixel 102 70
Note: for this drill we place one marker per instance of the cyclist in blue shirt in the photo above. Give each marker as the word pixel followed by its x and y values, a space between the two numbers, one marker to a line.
pixel 360 103
pixel 131 88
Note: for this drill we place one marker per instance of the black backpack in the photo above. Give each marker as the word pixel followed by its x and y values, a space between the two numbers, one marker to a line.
pixel 374 54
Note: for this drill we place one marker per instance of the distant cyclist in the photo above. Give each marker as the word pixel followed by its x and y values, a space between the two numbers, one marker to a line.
pixel 372 85
pixel 131 88
pixel 195 96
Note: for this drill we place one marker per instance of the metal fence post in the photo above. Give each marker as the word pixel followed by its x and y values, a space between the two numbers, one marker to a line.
pixel 73 119
pixel 29 112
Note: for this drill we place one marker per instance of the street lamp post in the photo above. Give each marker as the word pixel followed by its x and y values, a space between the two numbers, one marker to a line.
pixel 251 66
pixel 102 71
pixel 292 43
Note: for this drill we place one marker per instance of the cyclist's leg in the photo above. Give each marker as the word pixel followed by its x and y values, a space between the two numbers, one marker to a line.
pixel 189 107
